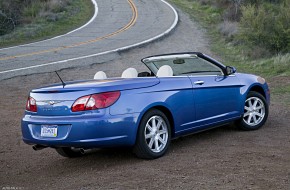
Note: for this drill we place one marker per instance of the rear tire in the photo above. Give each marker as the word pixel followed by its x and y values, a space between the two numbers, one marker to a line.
pixel 69 152
pixel 256 112
pixel 154 135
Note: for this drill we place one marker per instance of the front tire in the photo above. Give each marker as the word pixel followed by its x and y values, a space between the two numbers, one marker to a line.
pixel 256 111
pixel 154 135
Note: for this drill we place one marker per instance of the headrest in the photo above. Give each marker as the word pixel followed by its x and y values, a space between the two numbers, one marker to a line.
pixel 130 73
pixel 165 71
pixel 100 75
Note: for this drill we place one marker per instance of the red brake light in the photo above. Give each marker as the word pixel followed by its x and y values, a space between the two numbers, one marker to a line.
pixel 95 101
pixel 31 104
pixel 80 104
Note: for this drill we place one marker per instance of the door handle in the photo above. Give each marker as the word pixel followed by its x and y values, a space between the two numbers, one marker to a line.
pixel 200 82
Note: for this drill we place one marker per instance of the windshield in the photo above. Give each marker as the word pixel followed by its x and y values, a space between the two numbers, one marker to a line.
pixel 185 66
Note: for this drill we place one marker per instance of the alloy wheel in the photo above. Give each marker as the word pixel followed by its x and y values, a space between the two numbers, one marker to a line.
pixel 254 111
pixel 156 134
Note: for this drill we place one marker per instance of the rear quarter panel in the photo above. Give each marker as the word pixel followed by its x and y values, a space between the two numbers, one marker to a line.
pixel 173 93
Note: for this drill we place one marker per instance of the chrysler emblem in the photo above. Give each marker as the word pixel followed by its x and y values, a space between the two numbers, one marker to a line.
pixel 52 102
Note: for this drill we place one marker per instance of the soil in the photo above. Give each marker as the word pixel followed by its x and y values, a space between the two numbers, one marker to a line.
pixel 223 158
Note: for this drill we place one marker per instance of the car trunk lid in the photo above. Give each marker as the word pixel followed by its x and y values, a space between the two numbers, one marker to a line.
pixel 56 100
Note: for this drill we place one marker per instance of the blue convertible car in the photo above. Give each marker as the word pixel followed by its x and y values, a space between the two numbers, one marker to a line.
pixel 183 93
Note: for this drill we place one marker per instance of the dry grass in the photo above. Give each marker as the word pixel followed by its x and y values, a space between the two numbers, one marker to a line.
pixel 228 28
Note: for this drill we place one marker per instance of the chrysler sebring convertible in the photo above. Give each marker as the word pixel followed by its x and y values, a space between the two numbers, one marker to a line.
pixel 183 93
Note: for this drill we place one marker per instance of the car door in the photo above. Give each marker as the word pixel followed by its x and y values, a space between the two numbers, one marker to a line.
pixel 216 96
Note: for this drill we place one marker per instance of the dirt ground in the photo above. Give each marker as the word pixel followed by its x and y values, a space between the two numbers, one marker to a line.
pixel 223 158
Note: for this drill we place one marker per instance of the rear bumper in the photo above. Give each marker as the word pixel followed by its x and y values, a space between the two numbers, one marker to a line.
pixel 84 131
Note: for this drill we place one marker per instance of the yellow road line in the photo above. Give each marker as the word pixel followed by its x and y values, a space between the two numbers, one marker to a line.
pixel 129 25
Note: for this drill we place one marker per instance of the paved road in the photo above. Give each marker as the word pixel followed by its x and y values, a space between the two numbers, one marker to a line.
pixel 118 25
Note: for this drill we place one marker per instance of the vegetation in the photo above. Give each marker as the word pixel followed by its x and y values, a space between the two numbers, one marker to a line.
pixel 266 26
pixel 23 21
pixel 252 35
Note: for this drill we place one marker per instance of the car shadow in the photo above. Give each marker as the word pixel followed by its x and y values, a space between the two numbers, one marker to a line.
pixel 112 158
pixel 204 136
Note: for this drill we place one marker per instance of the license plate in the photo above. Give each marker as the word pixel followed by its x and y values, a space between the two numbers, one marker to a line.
pixel 48 131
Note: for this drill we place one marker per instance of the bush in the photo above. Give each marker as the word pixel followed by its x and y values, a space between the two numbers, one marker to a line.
pixel 9 14
pixel 262 26
pixel 266 26
pixel 17 12
pixel 6 23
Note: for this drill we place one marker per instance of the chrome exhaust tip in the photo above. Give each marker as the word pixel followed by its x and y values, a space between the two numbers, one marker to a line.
pixel 84 150
pixel 38 147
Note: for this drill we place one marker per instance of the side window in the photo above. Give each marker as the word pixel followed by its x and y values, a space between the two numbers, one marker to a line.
pixel 198 66
pixel 187 66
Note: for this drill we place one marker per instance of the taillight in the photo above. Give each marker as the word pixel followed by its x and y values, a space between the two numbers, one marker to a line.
pixel 31 104
pixel 95 101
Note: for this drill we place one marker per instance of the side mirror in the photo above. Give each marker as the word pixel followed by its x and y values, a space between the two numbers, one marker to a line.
pixel 230 70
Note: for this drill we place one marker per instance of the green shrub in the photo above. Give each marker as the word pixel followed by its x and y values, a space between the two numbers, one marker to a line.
pixel 266 26
pixel 32 10
pixel 41 19
pixel 19 12
pixel 9 14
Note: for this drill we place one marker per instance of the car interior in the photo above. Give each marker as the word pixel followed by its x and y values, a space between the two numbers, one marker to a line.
pixel 163 71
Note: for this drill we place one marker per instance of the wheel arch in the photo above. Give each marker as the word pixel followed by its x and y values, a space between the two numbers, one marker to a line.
pixel 259 89
pixel 244 125
pixel 169 116
pixel 166 111
pixel 246 90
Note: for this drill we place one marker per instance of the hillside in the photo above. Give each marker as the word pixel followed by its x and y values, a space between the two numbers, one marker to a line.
pixel 31 20
pixel 253 36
